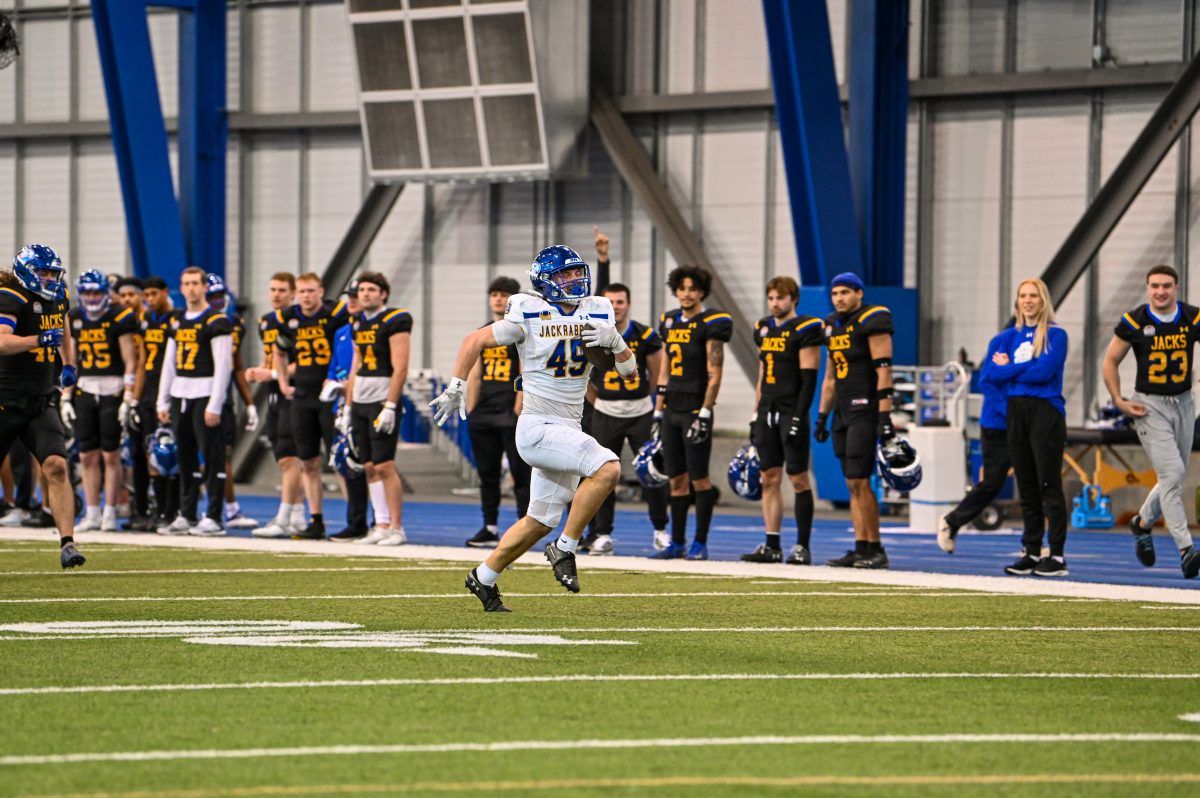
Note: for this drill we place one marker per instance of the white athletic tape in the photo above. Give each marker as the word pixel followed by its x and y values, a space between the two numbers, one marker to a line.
pixel 586 745
pixel 586 679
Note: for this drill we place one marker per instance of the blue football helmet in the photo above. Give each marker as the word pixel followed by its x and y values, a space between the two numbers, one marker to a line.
pixel 219 297
pixel 898 464
pixel 163 452
pixel 745 473
pixel 91 281
pixel 343 457
pixel 649 464
pixel 40 271
pixel 126 449
pixel 550 262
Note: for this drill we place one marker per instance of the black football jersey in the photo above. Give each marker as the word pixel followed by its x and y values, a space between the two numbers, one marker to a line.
pixel 643 341
pixel 32 373
pixel 1163 350
pixel 372 340
pixel 268 331
pixel 311 342
pixel 686 342
pixel 193 341
pixel 846 337
pixel 500 368
pixel 97 341
pixel 155 330
pixel 779 346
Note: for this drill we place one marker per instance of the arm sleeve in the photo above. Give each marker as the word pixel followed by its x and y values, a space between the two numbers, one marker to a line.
pixel 808 389
pixel 1050 364
pixel 987 367
pixel 508 332
pixel 168 376
pixel 222 354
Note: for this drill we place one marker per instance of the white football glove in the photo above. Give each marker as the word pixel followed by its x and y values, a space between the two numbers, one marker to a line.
pixel 67 413
pixel 385 422
pixel 124 410
pixel 1024 353
pixel 450 400
pixel 605 336
pixel 341 422
pixel 330 390
pixel 251 418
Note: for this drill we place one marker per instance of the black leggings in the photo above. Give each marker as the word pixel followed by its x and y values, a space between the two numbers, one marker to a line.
pixel 996 463
pixel 195 440
pixel 490 441
pixel 1037 435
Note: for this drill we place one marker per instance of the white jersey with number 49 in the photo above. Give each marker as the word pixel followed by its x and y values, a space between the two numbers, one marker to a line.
pixel 554 368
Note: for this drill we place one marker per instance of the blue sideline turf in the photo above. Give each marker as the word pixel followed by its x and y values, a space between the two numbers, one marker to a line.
pixel 1092 556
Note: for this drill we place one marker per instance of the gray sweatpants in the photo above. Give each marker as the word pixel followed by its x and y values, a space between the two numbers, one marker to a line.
pixel 1166 434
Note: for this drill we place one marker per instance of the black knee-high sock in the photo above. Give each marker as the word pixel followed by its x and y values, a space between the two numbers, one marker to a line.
pixel 705 499
pixel 173 489
pixel 679 514
pixel 160 495
pixel 804 517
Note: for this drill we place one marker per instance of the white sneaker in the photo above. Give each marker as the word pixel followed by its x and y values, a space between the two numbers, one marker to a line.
pixel 88 524
pixel 275 529
pixel 395 537
pixel 375 535
pixel 108 521
pixel 179 526
pixel 602 545
pixel 240 521
pixel 207 528
pixel 945 537
pixel 298 520
pixel 15 517
pixel 662 539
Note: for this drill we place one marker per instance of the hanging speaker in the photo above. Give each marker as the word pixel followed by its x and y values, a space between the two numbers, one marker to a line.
pixel 479 90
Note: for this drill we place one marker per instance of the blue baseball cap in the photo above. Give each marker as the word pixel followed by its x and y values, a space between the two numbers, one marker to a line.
pixel 848 279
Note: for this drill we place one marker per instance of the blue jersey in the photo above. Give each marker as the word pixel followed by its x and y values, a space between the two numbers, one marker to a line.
pixel 1039 377
pixel 343 353
pixel 994 414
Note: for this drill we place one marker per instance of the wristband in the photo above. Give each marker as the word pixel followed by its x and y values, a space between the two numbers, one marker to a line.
pixel 130 379
pixel 626 367
pixel 389 405
pixel 881 362
pixel 886 393
pixel 456 385
pixel 274 374
pixel 705 412
pixel 660 390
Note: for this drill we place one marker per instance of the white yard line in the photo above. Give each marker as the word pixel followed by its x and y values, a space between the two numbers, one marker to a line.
pixel 995 584
pixel 585 679
pixel 462 595
pixel 591 745
pixel 166 571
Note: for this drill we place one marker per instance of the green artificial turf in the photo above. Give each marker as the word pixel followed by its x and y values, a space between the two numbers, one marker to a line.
pixel 633 639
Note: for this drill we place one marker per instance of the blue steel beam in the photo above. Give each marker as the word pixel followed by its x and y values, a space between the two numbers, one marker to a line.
pixel 139 138
pixel 809 115
pixel 878 123
pixel 203 133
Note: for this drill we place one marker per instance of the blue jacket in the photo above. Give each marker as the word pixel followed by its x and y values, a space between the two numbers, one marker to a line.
pixel 995 401
pixel 343 353
pixel 1041 377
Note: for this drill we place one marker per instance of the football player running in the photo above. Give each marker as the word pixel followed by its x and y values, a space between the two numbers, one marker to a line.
pixel 551 328
pixel 33 322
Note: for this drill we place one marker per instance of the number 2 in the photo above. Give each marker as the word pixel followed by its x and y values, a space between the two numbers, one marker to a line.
pixel 1158 366
pixel 676 360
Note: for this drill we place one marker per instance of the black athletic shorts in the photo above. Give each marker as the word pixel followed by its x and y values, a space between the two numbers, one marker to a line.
pixel 774 450
pixel 373 446
pixel 96 423
pixel 35 421
pixel 854 441
pixel 279 427
pixel 679 456
pixel 228 425
pixel 312 423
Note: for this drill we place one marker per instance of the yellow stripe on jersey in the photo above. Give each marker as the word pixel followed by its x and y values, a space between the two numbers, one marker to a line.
pixel 872 312
pixel 123 314
pixel 649 331
pixel 394 314
pixel 17 294
pixel 1129 320
pixel 1196 320
pixel 717 317
pixel 213 318
pixel 279 316
pixel 338 307
pixel 807 324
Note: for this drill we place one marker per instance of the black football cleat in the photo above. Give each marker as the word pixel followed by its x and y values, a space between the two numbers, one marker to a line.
pixel 1189 561
pixel 489 596
pixel 1048 566
pixel 763 553
pixel 314 531
pixel 563 563
pixel 876 560
pixel 800 555
pixel 1143 542
pixel 1022 567
pixel 70 557
pixel 349 534
pixel 483 539
pixel 846 561
pixel 41 519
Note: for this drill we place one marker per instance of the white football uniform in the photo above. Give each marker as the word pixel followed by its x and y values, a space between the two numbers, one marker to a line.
pixel 554 376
